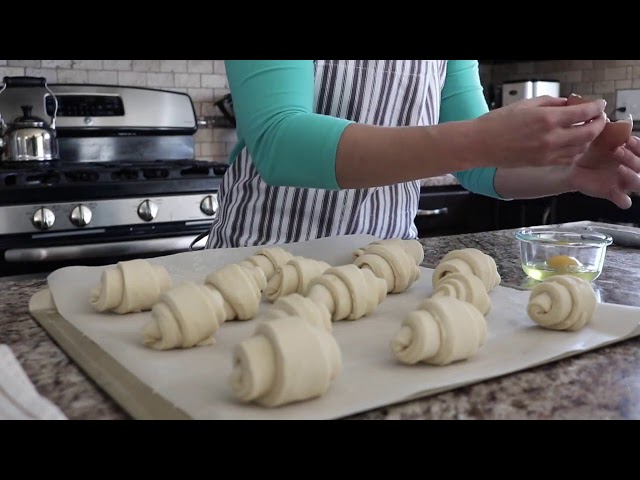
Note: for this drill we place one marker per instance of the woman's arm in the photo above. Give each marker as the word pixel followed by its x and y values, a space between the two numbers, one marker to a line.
pixel 291 145
pixel 462 98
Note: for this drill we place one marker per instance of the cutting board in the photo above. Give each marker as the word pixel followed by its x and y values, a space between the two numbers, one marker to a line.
pixel 193 383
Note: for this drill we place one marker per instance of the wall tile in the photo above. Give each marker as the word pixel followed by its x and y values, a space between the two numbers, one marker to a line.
pixel 25 63
pixel 178 66
pixel 51 74
pixel 103 76
pixel 72 76
pixel 146 66
pixel 87 64
pixel 117 65
pixel 200 66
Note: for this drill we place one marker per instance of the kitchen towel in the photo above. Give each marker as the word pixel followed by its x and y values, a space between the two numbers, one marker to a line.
pixel 19 399
pixel 196 380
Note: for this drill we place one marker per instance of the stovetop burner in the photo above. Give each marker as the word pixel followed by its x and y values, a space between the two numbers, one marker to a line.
pixel 29 174
pixel 60 181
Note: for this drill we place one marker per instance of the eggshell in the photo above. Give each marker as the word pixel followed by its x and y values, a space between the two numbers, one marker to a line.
pixel 614 134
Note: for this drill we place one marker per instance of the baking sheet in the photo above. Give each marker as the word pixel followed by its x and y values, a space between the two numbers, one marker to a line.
pixel 195 381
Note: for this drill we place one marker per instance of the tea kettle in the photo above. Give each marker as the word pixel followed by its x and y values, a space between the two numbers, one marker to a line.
pixel 28 138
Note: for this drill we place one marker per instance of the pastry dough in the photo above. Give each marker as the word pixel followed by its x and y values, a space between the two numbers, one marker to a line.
pixel 302 307
pixel 268 260
pixel 468 260
pixel 562 302
pixel 294 277
pixel 286 360
pixel 392 263
pixel 465 287
pixel 131 286
pixel 189 315
pixel 442 331
pixel 348 292
pixel 412 247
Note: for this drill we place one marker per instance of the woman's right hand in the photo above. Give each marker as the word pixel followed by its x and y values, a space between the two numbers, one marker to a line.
pixel 537 132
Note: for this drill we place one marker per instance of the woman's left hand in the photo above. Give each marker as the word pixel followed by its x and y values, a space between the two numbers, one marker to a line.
pixel 611 175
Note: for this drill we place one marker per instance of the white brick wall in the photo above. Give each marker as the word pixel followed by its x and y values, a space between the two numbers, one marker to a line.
pixel 598 78
pixel 204 80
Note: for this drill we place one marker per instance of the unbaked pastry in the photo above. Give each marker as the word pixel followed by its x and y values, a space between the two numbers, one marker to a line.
pixel 442 331
pixel 130 286
pixel 268 260
pixel 189 315
pixel 348 292
pixel 465 287
pixel 294 277
pixel 562 302
pixel 286 360
pixel 468 260
pixel 412 247
pixel 392 263
pixel 299 306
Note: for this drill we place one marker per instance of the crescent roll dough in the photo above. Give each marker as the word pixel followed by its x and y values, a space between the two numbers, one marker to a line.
pixel 189 315
pixel 412 247
pixel 286 360
pixel 465 287
pixel 298 306
pixel 268 260
pixel 294 277
pixel 392 263
pixel 442 331
pixel 348 292
pixel 468 260
pixel 131 286
pixel 562 302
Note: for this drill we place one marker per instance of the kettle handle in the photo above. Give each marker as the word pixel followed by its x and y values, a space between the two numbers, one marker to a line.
pixel 25 81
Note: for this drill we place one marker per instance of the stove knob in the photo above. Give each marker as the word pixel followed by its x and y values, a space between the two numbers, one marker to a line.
pixel 43 218
pixel 147 210
pixel 80 216
pixel 209 205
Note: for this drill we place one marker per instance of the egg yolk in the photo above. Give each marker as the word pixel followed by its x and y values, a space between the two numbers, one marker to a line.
pixel 562 262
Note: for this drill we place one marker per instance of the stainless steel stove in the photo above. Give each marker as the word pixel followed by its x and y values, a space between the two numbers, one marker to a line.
pixel 126 184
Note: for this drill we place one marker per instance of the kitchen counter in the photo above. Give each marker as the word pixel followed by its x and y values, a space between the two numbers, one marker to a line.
pixel 601 384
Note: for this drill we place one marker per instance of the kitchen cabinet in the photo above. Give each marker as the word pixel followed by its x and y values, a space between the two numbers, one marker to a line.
pixel 576 207
pixel 451 210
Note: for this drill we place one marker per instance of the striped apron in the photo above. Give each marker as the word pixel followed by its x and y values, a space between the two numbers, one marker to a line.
pixel 377 92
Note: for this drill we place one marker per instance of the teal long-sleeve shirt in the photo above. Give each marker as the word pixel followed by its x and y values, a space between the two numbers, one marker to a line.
pixel 273 103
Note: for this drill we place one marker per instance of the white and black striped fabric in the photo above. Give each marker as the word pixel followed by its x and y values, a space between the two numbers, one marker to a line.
pixel 378 92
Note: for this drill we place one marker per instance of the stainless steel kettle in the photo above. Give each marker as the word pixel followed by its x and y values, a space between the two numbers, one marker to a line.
pixel 29 138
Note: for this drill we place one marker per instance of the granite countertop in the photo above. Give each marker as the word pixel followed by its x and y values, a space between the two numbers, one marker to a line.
pixel 600 384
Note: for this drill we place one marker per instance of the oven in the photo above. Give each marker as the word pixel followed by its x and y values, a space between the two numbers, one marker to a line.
pixel 126 184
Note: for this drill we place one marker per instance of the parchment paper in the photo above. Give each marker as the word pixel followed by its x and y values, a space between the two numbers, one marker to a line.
pixel 196 380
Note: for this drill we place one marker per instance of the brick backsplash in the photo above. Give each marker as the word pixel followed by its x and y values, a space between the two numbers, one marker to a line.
pixel 589 78
pixel 204 80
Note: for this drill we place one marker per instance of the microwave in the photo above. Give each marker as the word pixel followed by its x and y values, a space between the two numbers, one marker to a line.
pixel 515 91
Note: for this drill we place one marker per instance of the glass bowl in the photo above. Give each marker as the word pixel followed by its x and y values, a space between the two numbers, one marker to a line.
pixel 547 252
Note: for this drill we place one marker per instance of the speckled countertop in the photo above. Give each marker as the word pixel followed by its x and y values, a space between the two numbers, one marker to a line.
pixel 601 384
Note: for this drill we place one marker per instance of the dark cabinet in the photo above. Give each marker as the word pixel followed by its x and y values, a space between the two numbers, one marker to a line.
pixel 572 207
pixel 451 210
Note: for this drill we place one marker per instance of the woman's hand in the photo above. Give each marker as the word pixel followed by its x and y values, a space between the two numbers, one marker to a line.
pixel 611 175
pixel 536 132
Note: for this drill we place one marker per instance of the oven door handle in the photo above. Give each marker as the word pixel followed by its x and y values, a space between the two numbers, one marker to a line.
pixel 433 212
pixel 109 249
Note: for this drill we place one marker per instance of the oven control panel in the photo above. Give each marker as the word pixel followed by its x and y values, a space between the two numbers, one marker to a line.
pixel 86 105
pixel 17 219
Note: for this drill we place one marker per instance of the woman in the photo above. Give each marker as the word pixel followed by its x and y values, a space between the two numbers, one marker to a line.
pixel 332 147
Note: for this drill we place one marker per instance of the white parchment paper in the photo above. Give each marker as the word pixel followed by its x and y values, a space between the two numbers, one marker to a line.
pixel 196 380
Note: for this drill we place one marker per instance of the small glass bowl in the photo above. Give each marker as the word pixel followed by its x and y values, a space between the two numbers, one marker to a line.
pixel 546 252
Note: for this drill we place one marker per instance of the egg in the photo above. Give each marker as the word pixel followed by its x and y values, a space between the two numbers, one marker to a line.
pixel 614 134
pixel 562 263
